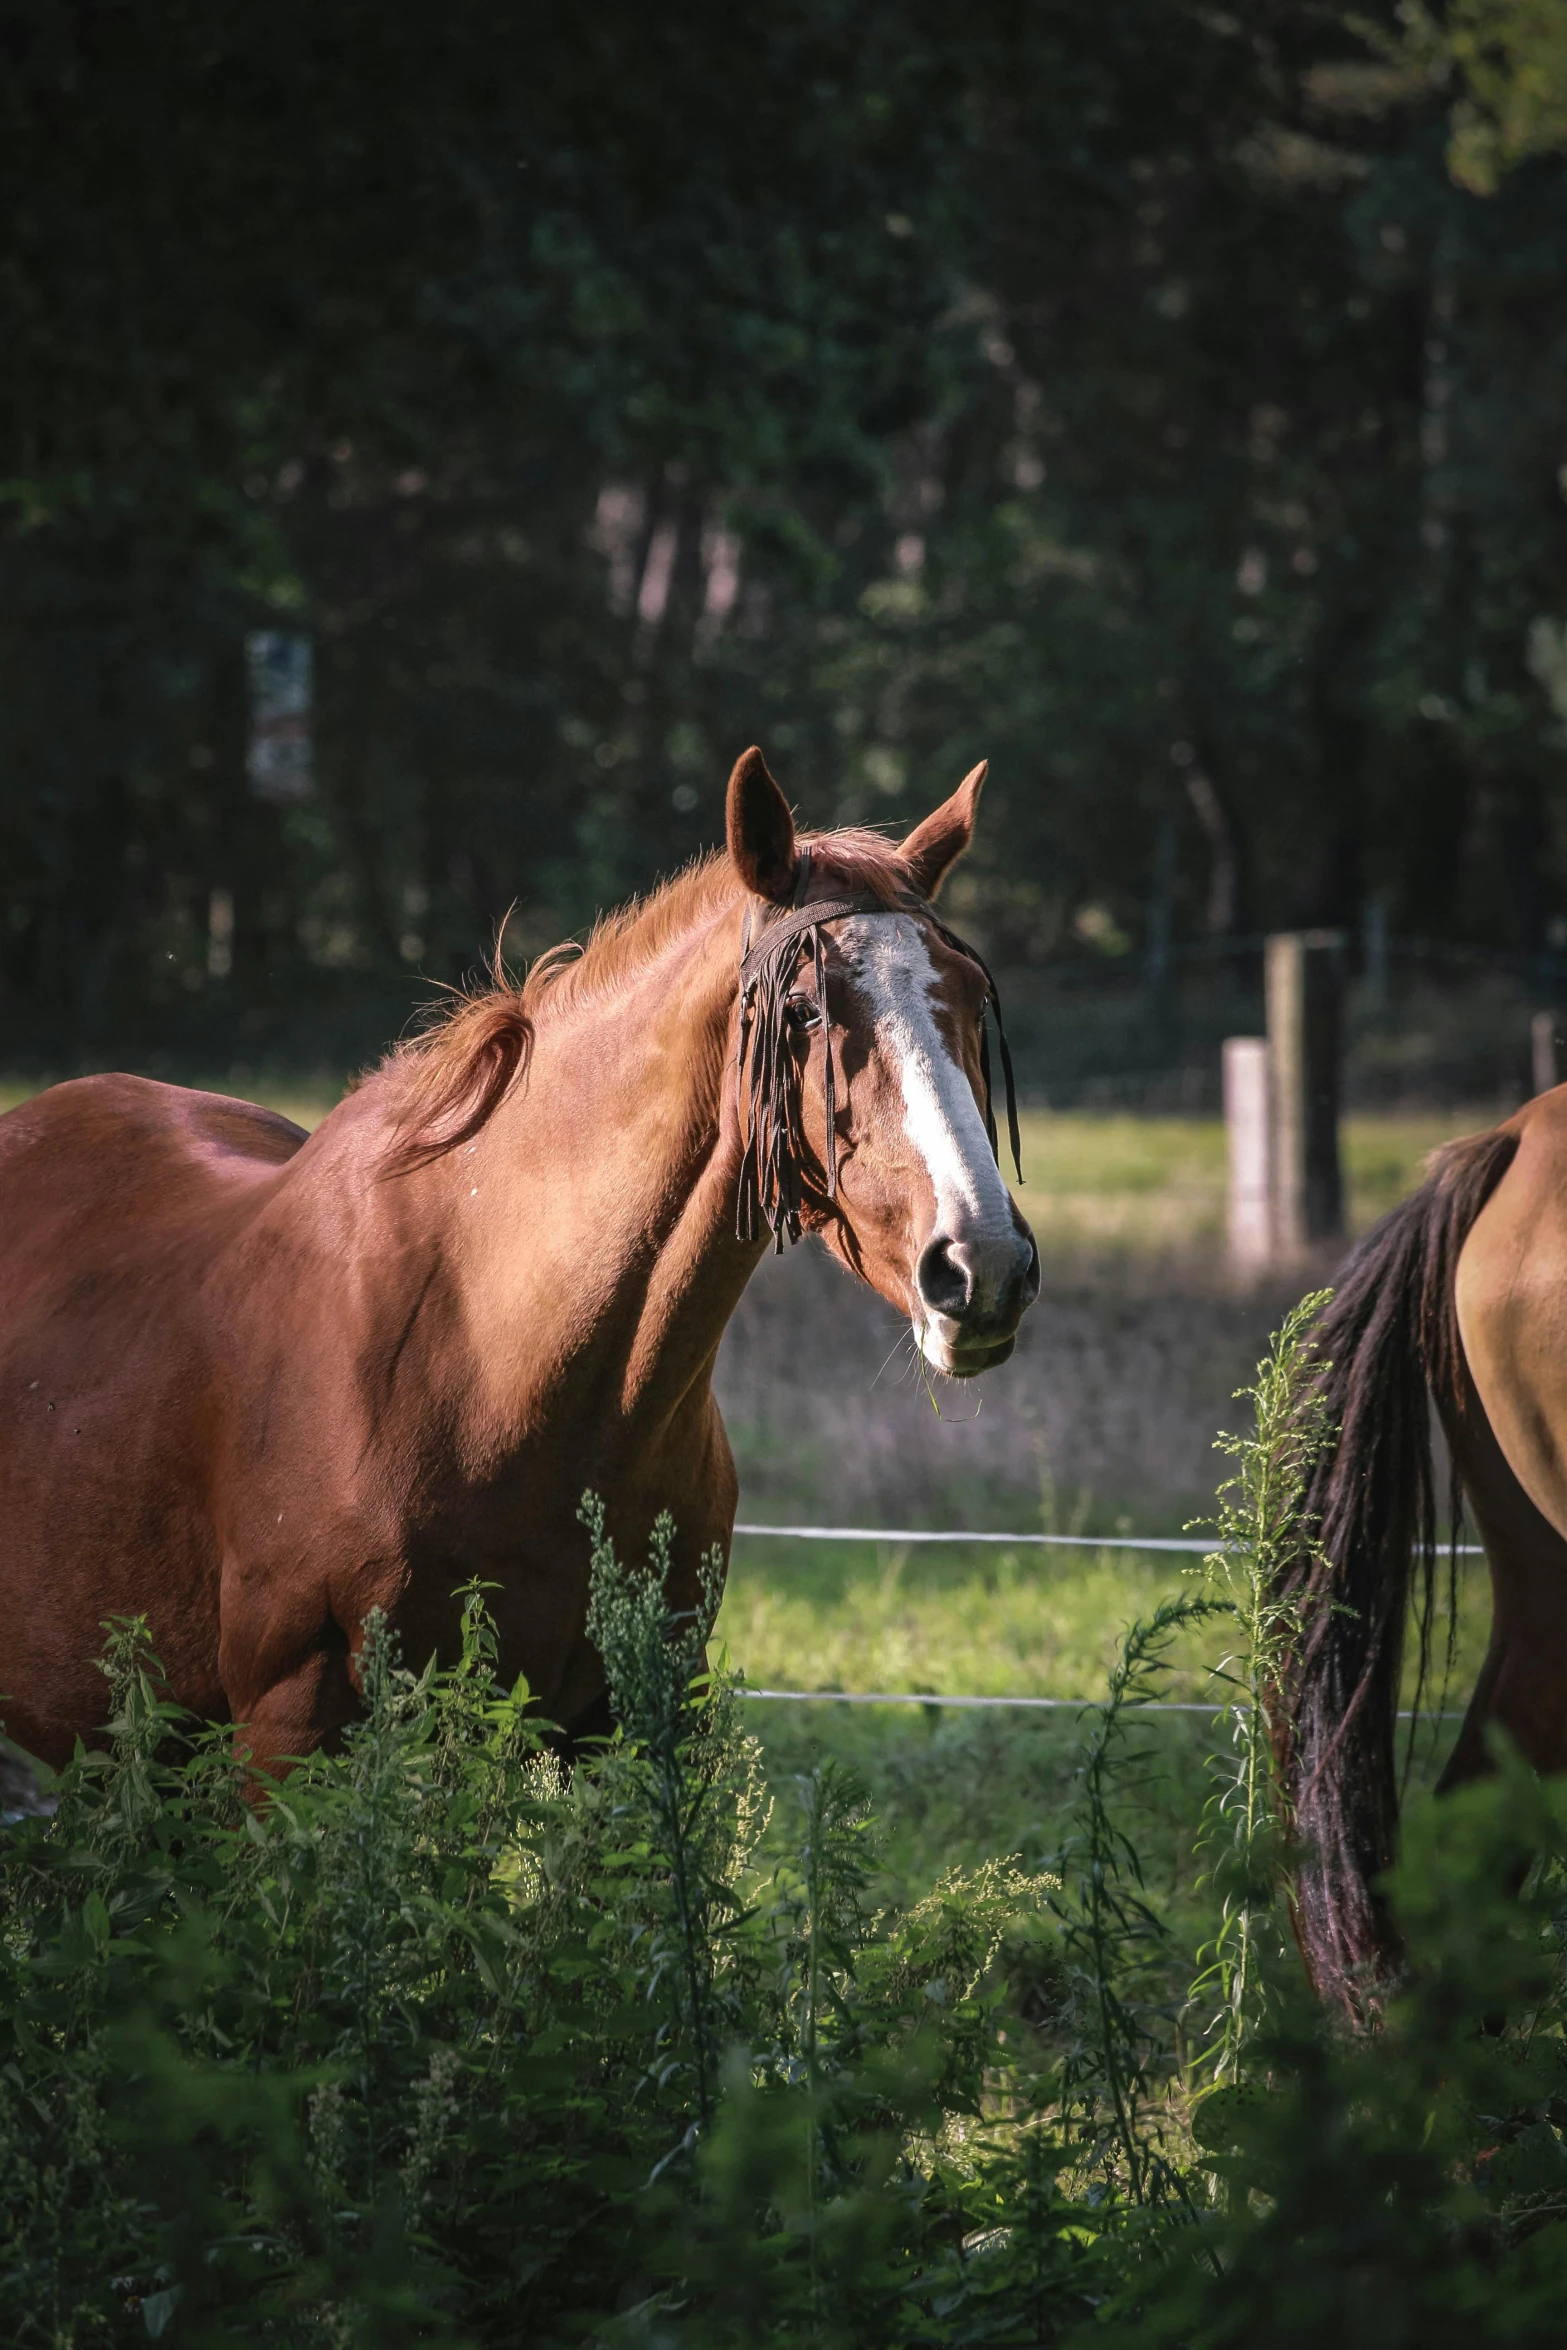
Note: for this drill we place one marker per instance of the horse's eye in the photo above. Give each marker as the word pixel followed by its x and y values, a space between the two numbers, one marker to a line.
pixel 800 1012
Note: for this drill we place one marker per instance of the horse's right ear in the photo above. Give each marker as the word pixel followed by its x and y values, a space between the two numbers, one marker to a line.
pixel 761 830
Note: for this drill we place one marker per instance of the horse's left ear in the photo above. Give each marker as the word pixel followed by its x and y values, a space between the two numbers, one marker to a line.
pixel 934 847
pixel 760 830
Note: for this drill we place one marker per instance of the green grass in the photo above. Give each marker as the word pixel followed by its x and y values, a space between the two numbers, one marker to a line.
pixel 987 1622
pixel 1145 1186
pixel 964 1620
pixel 972 1785
pixel 962 1788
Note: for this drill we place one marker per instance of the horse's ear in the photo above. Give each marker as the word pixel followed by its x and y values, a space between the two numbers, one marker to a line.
pixel 934 847
pixel 761 830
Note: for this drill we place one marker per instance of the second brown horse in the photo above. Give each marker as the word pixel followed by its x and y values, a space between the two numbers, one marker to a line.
pixel 1457 1299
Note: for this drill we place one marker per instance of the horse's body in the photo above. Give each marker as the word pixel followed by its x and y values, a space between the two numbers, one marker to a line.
pixel 254 1385
pixel 1459 1297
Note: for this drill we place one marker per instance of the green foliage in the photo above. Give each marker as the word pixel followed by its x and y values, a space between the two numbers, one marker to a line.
pixel 1404 2189
pixel 680 1767
pixel 1510 60
pixel 1259 1535
pixel 441 2043
pixel 1115 1944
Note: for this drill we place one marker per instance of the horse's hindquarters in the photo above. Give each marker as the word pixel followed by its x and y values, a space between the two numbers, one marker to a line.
pixel 1509 1441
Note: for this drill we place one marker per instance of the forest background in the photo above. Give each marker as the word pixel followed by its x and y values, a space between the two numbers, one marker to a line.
pixel 1165 403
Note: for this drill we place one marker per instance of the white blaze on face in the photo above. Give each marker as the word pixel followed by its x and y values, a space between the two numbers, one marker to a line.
pixel 890 957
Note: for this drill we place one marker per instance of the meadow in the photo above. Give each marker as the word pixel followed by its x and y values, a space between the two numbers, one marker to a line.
pixel 1104 1424
pixel 959 1785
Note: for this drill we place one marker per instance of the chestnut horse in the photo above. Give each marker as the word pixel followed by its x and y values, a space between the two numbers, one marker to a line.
pixel 1458 1297
pixel 256 1384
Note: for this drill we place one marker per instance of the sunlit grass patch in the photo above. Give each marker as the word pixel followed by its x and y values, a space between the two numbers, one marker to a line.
pixel 1019 1623
pixel 952 1784
pixel 993 1622
pixel 1156 1186
pixel 1384 1157
pixel 1122 1183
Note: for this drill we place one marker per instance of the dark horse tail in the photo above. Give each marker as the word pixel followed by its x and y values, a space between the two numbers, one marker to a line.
pixel 1389 1346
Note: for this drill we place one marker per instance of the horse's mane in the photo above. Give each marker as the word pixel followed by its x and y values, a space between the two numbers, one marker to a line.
pixel 450 1078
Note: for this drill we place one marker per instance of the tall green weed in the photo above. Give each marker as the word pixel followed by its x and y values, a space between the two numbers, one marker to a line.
pixel 443 2043
pixel 1261 1531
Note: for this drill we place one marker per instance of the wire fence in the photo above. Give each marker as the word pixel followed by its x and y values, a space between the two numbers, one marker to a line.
pixel 937 1700
pixel 1195 1544
pixel 976 1702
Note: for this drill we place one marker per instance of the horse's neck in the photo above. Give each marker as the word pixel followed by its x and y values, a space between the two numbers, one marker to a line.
pixel 599 1203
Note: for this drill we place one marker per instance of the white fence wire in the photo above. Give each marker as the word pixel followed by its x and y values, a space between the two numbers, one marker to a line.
pixel 1191 1544
pixel 1197 1544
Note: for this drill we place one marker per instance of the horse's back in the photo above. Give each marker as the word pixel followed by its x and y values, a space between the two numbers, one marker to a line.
pixel 122 1132
pixel 101 1162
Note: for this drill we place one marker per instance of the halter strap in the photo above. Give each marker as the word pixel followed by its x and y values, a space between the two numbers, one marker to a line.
pixel 766 1091
pixel 799 924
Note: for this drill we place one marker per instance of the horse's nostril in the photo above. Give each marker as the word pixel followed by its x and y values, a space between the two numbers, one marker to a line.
pixel 943 1280
pixel 987 1285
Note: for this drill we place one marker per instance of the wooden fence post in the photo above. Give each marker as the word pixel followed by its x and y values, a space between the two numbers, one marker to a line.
pixel 1304 983
pixel 1544 1053
pixel 1248 1118
pixel 1374 951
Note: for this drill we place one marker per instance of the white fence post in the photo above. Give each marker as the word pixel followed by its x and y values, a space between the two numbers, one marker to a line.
pixel 1247 1120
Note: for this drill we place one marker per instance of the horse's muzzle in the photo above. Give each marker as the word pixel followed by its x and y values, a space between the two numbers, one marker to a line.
pixel 975 1292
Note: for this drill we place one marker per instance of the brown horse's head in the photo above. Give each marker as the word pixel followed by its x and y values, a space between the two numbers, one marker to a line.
pixel 907 1192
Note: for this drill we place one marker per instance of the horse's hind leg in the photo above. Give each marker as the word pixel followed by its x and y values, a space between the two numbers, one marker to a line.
pixel 1469 1759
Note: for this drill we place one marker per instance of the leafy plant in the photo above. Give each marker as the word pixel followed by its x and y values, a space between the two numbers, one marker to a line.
pixel 680 1761
pixel 1259 1532
pixel 440 2040
pixel 1115 1943
pixel 442 2043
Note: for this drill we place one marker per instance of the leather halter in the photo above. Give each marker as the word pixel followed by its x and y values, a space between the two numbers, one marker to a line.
pixel 766 1092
